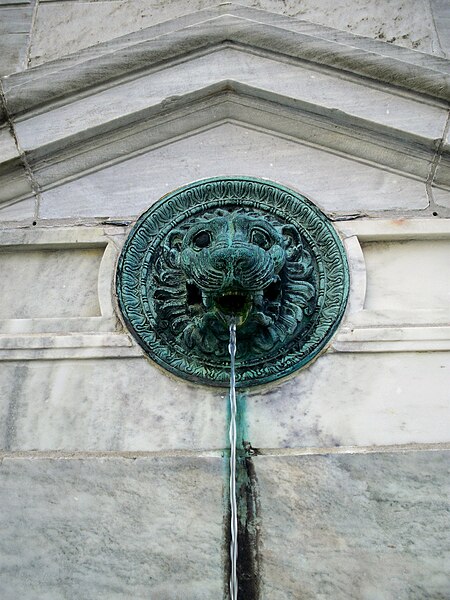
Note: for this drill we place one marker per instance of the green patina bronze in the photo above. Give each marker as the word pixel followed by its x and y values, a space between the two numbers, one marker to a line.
pixel 232 247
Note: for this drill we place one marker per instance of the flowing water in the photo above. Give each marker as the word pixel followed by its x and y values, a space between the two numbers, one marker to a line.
pixel 233 500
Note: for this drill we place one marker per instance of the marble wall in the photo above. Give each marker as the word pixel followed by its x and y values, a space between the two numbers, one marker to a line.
pixel 36 31
pixel 113 473
pixel 363 531
pixel 65 280
pixel 112 528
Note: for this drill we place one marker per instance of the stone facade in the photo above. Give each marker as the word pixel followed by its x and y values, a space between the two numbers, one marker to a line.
pixel 114 474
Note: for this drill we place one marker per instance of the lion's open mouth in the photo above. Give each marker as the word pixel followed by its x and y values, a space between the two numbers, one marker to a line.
pixel 228 304
pixel 234 303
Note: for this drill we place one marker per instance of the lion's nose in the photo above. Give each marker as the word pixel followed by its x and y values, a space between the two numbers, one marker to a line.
pixel 219 261
pixel 231 260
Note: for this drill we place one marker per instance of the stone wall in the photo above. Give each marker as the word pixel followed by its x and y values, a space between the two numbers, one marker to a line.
pixel 114 474
pixel 36 31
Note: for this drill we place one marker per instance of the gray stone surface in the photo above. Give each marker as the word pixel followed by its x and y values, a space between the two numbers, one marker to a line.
pixel 8 148
pixel 267 32
pixel 442 198
pixel 15 28
pixel 252 108
pixel 64 283
pixel 441 177
pixel 80 24
pixel 392 283
pixel 440 10
pixel 111 529
pixel 127 188
pixel 101 404
pixel 23 211
pixel 355 399
pixel 298 80
pixel 343 399
pixel 212 82
pixel 361 527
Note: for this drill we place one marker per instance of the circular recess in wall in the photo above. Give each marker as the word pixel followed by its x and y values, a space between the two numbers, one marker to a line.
pixel 232 247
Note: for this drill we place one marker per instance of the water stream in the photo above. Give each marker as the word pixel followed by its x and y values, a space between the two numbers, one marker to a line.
pixel 233 499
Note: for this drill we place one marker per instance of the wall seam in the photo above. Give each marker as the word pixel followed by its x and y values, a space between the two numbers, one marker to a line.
pixel 30 41
pixel 221 452
pixel 435 163
pixel 436 29
pixel 35 188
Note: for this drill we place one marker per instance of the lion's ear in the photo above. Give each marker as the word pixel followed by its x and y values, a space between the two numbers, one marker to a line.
pixel 293 242
pixel 172 247
pixel 174 240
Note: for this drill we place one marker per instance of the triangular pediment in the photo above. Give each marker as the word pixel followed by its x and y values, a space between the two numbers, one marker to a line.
pixel 331 91
pixel 126 188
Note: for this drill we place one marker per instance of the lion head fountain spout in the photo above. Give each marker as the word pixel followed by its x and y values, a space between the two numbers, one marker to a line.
pixel 238 264
pixel 240 249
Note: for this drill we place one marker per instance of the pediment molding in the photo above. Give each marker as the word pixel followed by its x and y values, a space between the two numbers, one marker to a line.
pixel 130 55
pixel 230 101
pixel 117 99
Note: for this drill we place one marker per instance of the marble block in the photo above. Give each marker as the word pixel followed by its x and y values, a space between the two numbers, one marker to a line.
pixel 119 404
pixel 411 274
pixel 106 404
pixel 111 529
pixel 8 147
pixel 346 100
pixel 50 283
pixel 354 527
pixel 442 198
pixel 441 15
pixel 23 211
pixel 82 24
pixel 15 28
pixel 128 188
pixel 346 399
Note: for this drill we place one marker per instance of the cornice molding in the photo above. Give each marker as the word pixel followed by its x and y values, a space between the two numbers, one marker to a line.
pixel 98 106
pixel 231 101
pixel 72 156
pixel 127 56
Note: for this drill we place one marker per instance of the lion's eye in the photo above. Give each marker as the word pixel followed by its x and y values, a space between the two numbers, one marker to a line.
pixel 260 238
pixel 202 239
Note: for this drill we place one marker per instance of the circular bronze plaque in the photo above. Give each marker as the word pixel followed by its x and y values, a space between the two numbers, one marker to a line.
pixel 232 247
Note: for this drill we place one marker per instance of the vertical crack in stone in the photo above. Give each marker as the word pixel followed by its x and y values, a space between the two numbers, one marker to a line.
pixel 249 510
pixel 22 156
pixel 226 532
pixel 248 564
